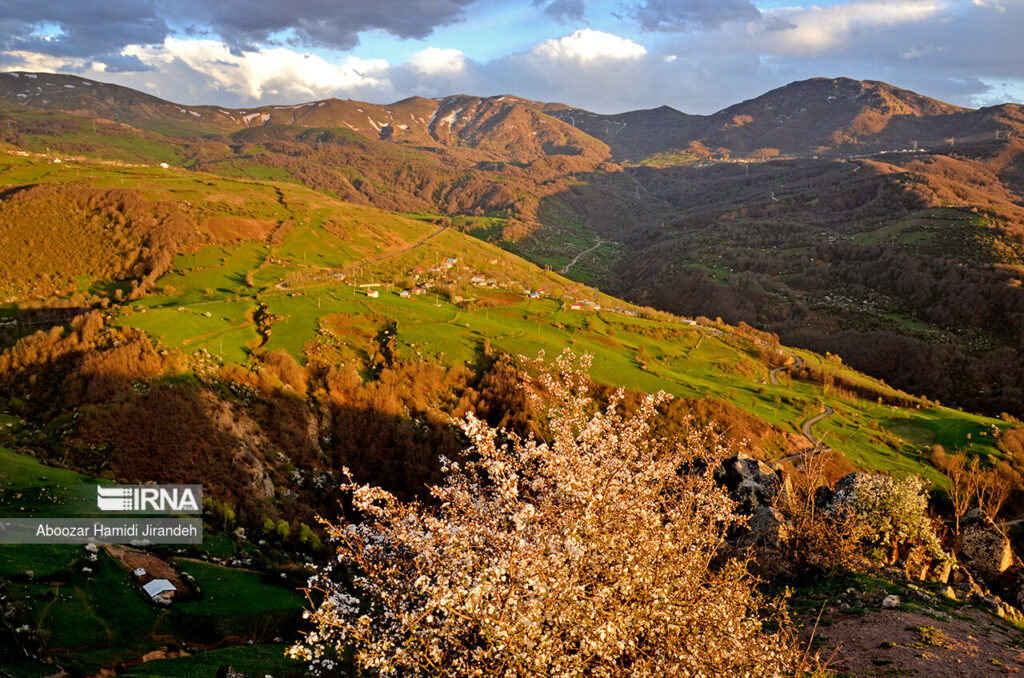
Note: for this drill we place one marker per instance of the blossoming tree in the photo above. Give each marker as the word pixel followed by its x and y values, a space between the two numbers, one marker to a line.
pixel 594 552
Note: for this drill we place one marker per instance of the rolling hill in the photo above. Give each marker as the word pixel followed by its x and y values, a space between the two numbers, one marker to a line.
pixel 255 299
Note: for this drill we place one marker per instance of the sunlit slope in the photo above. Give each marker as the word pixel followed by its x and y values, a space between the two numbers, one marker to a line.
pixel 294 270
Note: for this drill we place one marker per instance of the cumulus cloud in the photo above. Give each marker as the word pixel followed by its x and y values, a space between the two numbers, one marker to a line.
pixel 258 74
pixel 821 29
pixel 437 61
pixel 963 51
pixel 681 15
pixel 89 28
pixel 588 45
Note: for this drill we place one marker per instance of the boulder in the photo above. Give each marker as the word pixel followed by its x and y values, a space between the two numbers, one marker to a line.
pixel 750 483
pixel 996 606
pixel 964 582
pixel 767 528
pixel 917 563
pixel 822 497
pixel 940 571
pixel 890 602
pixel 845 486
pixel 983 545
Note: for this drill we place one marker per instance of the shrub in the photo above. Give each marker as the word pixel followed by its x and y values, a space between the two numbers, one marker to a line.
pixel 586 554
pixel 889 513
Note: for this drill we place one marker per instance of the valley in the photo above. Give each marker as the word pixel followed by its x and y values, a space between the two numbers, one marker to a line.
pixel 256 299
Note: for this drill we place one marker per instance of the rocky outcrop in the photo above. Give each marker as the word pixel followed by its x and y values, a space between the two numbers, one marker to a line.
pixel 983 546
pixel 846 486
pixel 750 483
pixel 767 528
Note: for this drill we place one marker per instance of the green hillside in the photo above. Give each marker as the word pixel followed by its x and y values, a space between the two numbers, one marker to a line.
pixel 311 271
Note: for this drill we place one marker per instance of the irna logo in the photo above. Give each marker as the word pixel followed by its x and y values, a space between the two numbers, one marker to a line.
pixel 150 498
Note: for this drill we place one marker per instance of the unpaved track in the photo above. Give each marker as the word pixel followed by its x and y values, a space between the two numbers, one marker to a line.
pixel 805 428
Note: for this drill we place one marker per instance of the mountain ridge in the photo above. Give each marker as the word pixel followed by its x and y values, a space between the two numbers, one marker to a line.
pixel 808 117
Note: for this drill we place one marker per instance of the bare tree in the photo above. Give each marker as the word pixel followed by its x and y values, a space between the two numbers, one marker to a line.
pixel 963 485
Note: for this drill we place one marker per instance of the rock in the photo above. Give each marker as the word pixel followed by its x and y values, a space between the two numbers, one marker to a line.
pixel 890 602
pixel 940 571
pixel 948 592
pixel 996 606
pixel 767 527
pixel 1020 596
pixel 895 573
pixel 983 545
pixel 822 497
pixel 844 486
pixel 917 563
pixel 750 483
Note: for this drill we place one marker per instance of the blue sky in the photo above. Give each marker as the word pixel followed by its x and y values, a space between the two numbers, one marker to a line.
pixel 605 55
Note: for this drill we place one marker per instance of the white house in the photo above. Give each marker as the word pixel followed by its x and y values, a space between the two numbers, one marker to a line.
pixel 159 587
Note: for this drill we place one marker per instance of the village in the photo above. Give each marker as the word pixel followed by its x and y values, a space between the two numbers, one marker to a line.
pixel 450 274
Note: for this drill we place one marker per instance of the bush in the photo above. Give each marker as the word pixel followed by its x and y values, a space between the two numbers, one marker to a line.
pixel 587 554
pixel 889 513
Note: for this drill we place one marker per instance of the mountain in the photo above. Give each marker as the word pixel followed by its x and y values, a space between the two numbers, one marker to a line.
pixel 820 116
pixel 636 134
pixel 681 225
pixel 500 128
pixel 264 300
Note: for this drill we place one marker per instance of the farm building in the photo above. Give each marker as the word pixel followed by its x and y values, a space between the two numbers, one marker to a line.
pixel 373 294
pixel 159 587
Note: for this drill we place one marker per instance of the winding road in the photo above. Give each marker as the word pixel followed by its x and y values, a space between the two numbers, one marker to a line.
pixel 805 428
pixel 577 257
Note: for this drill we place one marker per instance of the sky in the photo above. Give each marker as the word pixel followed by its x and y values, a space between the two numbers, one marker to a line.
pixel 608 56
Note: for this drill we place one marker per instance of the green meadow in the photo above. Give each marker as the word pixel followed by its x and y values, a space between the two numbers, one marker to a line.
pixel 314 282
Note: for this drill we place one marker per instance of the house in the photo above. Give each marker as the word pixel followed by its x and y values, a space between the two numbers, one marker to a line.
pixel 159 587
pixel 478 279
pixel 139 573
pixel 493 261
pixel 404 294
pixel 373 294
pixel 418 290
pixel 576 306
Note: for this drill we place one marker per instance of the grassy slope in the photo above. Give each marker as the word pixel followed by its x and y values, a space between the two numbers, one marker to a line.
pixel 323 236
pixel 98 618
pixel 206 303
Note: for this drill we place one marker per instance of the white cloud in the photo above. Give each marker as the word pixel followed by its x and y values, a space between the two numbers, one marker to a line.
pixel 256 74
pixel 588 45
pixel 17 60
pixel 820 29
pixel 437 61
